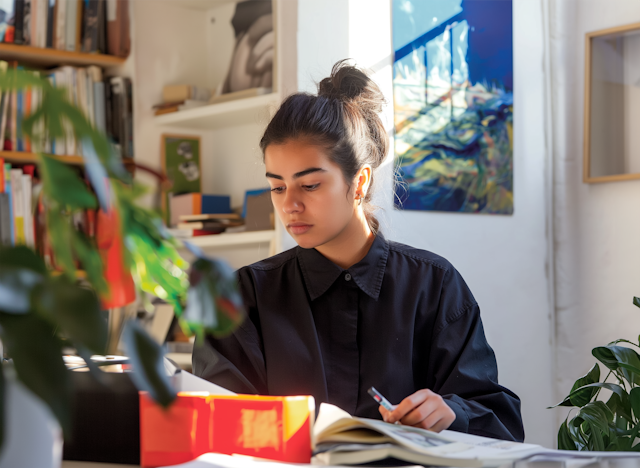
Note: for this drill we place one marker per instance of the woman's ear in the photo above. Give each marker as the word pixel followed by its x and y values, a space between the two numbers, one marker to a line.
pixel 363 181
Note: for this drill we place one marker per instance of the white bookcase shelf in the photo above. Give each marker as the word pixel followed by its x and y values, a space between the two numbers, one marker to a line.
pixel 197 4
pixel 226 114
pixel 233 239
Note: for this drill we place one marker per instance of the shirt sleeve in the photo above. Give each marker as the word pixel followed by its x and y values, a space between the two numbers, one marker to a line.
pixel 235 362
pixel 466 372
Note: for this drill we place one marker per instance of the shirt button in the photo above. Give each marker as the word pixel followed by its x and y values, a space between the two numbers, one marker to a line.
pixel 347 277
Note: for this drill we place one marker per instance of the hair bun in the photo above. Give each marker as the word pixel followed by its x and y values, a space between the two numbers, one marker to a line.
pixel 350 84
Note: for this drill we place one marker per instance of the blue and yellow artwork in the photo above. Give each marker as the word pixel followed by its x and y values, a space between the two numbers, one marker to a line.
pixel 453 105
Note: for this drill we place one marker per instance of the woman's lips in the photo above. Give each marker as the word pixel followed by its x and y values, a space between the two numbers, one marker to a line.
pixel 299 228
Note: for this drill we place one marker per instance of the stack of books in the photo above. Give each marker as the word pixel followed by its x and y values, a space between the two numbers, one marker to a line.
pixel 206 224
pixel 181 97
pixel 72 25
pixel 23 212
pixel 106 102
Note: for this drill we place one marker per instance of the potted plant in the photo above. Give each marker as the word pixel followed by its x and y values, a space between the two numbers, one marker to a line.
pixel 614 424
pixel 42 311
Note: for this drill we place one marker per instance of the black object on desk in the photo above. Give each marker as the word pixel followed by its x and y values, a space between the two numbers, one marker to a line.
pixel 105 424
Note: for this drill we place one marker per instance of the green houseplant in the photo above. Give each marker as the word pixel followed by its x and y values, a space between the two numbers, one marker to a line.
pixel 41 312
pixel 614 424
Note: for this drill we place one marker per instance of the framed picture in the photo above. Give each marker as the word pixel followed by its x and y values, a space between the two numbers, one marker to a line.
pixel 181 163
pixel 612 105
pixel 453 105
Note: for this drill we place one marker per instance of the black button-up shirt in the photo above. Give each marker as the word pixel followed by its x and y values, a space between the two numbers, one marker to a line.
pixel 402 319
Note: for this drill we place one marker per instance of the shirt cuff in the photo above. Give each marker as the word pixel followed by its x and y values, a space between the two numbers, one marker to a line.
pixel 461 423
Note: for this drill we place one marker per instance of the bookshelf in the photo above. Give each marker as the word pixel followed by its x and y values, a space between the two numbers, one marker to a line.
pixel 52 57
pixel 225 114
pixel 198 4
pixel 20 157
pixel 232 239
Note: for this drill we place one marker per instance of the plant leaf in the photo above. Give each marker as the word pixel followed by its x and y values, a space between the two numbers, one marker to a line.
pixel 636 301
pixel 620 357
pixel 37 357
pixel 620 406
pixel 214 304
pixel 584 395
pixel 2 404
pixel 147 363
pixel 23 257
pixel 16 287
pixel 60 231
pixel 634 396
pixel 97 174
pixel 62 184
pixel 565 442
pixel 76 310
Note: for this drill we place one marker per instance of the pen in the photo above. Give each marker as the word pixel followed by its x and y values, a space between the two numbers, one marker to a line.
pixel 382 401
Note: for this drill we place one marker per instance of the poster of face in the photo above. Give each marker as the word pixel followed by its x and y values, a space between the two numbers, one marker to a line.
pixel 453 105
pixel 252 61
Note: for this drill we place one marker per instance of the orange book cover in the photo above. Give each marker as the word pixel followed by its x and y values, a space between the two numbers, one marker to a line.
pixel 277 428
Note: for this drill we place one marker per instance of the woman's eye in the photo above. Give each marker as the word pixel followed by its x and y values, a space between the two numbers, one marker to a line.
pixel 277 189
pixel 310 187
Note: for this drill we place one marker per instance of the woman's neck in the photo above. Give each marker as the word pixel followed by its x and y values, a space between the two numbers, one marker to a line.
pixel 351 245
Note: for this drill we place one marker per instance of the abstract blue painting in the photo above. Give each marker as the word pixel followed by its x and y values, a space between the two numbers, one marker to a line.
pixel 453 105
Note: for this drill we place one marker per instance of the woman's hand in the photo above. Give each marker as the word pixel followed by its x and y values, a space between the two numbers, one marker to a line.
pixel 424 409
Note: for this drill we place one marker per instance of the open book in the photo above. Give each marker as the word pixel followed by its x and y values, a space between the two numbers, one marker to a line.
pixel 343 439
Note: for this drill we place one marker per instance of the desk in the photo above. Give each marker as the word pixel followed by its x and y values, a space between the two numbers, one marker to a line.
pixel 208 460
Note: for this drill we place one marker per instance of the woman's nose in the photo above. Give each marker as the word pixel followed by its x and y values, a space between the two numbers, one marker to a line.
pixel 292 203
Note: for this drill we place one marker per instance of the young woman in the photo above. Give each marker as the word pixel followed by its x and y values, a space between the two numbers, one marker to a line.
pixel 347 309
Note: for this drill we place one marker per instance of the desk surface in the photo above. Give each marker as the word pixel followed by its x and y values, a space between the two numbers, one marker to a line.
pixel 208 460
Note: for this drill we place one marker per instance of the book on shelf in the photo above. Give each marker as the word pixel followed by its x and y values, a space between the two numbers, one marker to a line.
pixel 93 93
pixel 7 21
pixel 71 25
pixel 183 92
pixel 209 216
pixel 117 30
pixel 245 93
pixel 210 225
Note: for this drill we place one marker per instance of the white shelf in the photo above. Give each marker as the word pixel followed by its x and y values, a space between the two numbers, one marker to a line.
pixel 242 111
pixel 232 239
pixel 197 4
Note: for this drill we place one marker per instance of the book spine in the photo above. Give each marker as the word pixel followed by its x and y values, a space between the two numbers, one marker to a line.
pixel 51 23
pixel 25 23
pixel 10 30
pixel 101 39
pixel 14 120
pixel 5 220
pixel 60 27
pixel 9 192
pixel 42 21
pixel 27 185
pixel 70 22
pixel 18 37
pixel 30 22
pixel 128 123
pixel 18 206
pixel 90 40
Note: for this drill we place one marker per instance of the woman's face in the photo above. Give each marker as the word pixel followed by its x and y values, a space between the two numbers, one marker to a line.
pixel 309 193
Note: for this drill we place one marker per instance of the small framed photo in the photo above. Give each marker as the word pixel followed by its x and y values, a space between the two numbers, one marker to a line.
pixel 612 105
pixel 181 164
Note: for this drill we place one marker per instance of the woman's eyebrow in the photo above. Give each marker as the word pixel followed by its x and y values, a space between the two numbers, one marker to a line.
pixel 297 175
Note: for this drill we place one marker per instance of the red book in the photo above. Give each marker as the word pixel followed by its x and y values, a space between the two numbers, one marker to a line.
pixel 278 428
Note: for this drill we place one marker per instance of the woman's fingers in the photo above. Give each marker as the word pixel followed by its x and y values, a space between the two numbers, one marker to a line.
pixel 424 409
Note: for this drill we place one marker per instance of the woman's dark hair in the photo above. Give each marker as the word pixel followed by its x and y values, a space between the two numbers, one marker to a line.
pixel 342 119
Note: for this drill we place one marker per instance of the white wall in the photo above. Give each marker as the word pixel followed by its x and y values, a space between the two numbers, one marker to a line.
pixel 504 259
pixel 597 225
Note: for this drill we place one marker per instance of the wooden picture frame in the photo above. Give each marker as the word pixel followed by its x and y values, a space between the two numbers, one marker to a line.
pixel 604 89
pixel 180 159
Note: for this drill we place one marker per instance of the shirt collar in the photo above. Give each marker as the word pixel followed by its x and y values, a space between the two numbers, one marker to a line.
pixel 320 273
